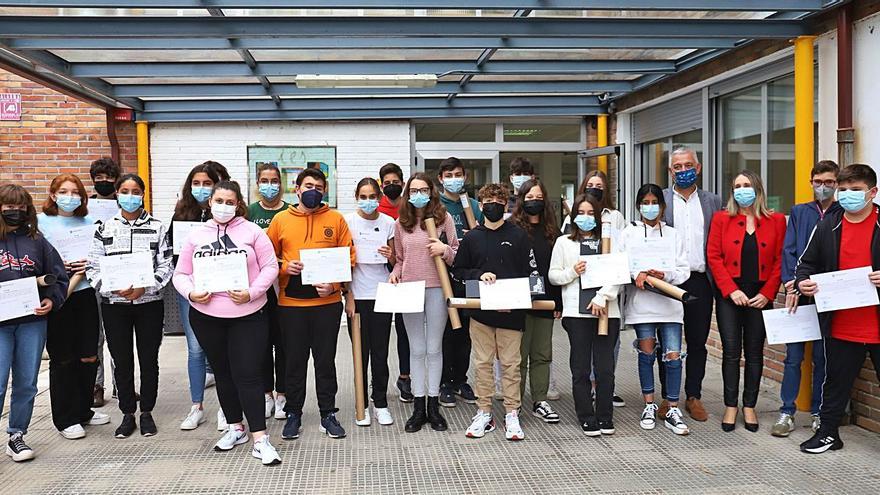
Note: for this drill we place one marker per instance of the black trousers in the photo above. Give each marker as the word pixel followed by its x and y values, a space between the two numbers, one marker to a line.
pixel 402 344
pixel 310 330
pixel 121 323
pixel 375 335
pixel 273 363
pixel 697 320
pixel 843 361
pixel 234 347
pixel 742 334
pixel 456 353
pixel 591 351
pixel 73 335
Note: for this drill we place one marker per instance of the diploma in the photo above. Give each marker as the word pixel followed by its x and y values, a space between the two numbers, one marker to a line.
pixel 73 244
pixel 507 293
pixel 124 271
pixel 367 244
pixel 405 297
pixel 103 209
pixel 20 298
pixel 180 234
pixel 784 327
pixel 326 265
pixel 605 269
pixel 220 273
pixel 845 289
pixel 655 253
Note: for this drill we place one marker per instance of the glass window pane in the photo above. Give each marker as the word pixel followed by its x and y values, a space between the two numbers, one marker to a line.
pixel 547 133
pixel 780 158
pixel 455 132
pixel 655 155
pixel 741 142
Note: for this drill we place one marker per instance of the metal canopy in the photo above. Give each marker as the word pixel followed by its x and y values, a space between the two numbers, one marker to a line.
pixel 214 60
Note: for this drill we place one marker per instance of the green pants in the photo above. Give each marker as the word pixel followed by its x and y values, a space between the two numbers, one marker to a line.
pixel 537 353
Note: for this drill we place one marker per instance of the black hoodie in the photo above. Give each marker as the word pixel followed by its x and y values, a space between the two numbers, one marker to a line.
pixel 23 257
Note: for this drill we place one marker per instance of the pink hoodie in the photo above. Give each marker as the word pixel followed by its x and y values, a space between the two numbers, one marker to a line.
pixel 212 239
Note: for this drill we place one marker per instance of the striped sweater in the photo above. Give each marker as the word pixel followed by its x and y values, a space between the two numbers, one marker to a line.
pixel 414 263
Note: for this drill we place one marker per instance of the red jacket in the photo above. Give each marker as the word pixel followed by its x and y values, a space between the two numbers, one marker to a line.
pixel 724 250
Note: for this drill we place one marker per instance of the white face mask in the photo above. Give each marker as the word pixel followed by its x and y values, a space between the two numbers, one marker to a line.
pixel 222 213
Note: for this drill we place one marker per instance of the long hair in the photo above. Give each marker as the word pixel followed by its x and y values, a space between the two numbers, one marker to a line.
pixel 576 232
pixel 13 194
pixel 546 219
pixel 434 209
pixel 760 205
pixel 606 195
pixel 231 185
pixel 656 191
pixel 187 208
pixel 50 207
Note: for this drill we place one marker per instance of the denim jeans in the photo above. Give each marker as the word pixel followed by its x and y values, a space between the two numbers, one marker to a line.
pixel 791 376
pixel 197 361
pixel 670 336
pixel 21 349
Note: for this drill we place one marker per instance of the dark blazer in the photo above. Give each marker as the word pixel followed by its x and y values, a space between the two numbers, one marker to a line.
pixel 709 203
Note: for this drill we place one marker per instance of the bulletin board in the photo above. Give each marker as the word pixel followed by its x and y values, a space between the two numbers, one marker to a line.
pixel 291 160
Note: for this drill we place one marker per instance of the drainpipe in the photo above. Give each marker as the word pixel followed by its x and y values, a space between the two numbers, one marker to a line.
pixel 143 157
pixel 845 132
pixel 602 139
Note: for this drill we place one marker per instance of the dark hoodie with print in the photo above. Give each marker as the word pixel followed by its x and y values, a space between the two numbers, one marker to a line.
pixel 23 257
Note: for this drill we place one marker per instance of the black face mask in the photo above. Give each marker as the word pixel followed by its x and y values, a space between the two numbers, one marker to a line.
pixel 393 191
pixel 14 218
pixel 533 206
pixel 595 192
pixel 105 188
pixel 493 211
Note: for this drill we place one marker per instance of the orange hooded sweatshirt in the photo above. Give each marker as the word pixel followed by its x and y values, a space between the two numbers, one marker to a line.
pixel 293 230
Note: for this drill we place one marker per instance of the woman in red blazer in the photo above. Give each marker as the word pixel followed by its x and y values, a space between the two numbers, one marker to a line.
pixel 744 253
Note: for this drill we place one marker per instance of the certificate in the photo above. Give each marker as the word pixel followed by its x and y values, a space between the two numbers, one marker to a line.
pixel 367 244
pixel 130 270
pixel 220 273
pixel 325 266
pixel 507 293
pixel 180 233
pixel 405 297
pixel 845 289
pixel 102 209
pixel 20 298
pixel 655 253
pixel 784 327
pixel 605 269
pixel 73 244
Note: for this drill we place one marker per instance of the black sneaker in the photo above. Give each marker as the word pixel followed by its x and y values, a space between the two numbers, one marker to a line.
pixel 148 426
pixel 466 393
pixel 292 427
pixel 591 428
pixel 17 449
pixel 606 427
pixel 545 412
pixel 404 385
pixel 820 442
pixel 330 425
pixel 617 401
pixel 447 395
pixel 127 427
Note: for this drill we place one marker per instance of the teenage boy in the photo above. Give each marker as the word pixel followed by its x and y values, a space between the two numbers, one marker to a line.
pixel 495 250
pixel 456 343
pixel 309 314
pixel 801 223
pixel 847 238
pixel 521 171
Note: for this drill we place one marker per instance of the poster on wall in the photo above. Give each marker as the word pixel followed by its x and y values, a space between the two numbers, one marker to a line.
pixel 291 160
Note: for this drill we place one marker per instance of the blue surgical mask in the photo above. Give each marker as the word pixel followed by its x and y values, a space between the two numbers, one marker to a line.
pixel 585 222
pixel 68 203
pixel 453 184
pixel 686 178
pixel 130 202
pixel 650 212
pixel 852 201
pixel 201 193
pixel 368 206
pixel 744 196
pixel 518 181
pixel 269 191
pixel 419 200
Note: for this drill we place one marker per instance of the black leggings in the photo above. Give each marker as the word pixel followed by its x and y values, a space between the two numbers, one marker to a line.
pixel 235 349
pixel 375 334
pixel 742 334
pixel 402 344
pixel 273 364
pixel 591 351
pixel 122 322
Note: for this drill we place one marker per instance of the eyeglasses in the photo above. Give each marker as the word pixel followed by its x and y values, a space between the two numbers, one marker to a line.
pixel 425 190
pixel 826 183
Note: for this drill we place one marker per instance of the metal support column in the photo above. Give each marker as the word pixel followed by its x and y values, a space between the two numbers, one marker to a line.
pixel 602 140
pixel 143 160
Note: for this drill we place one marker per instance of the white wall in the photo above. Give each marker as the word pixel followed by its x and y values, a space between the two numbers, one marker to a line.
pixel 361 148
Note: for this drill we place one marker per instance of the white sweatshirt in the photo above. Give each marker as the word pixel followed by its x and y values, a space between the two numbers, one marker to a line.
pixel 566 254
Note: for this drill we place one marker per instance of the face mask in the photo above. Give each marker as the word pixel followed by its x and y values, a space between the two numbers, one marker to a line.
pixel 493 211
pixel 518 181
pixel 311 198
pixel 595 192
pixel 105 187
pixel 744 196
pixel 852 201
pixel 585 222
pixel 269 191
pixel 368 206
pixel 13 218
pixel 68 203
pixel 130 202
pixel 686 178
pixel 533 206
pixel 419 200
pixel 453 184
pixel 201 193
pixel 393 191
pixel 222 213
pixel 823 193
pixel 650 212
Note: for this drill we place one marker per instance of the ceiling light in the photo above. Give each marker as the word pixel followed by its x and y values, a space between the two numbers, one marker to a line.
pixel 366 81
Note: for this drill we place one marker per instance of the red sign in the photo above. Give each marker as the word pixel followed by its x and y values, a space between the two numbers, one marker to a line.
pixel 123 115
pixel 10 106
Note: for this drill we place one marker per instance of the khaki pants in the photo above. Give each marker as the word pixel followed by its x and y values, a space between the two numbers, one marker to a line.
pixel 487 343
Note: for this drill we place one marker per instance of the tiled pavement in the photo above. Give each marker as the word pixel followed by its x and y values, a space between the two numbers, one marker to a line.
pixel 554 459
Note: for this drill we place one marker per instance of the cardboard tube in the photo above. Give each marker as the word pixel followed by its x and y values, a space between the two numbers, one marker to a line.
pixel 46 280
pixel 443 273
pixel 463 303
pixel 606 249
pixel 669 290
pixel 359 404
pixel 468 211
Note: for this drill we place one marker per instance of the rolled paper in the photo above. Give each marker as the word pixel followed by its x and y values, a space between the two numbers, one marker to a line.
pixel 471 303
pixel 606 249
pixel 357 361
pixel 468 211
pixel 669 290
pixel 443 273
pixel 46 280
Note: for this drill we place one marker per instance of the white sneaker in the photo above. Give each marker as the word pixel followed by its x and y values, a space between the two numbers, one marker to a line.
pixel 482 424
pixel 674 422
pixel 265 452
pixel 270 406
pixel 236 435
pixel 280 402
pixel 222 425
pixel 209 380
pixel 383 416
pixel 195 417
pixel 649 417
pixel 73 432
pixel 367 421
pixel 513 431
pixel 99 418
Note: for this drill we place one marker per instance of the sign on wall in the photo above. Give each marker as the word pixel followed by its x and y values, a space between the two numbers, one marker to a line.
pixel 292 160
pixel 10 106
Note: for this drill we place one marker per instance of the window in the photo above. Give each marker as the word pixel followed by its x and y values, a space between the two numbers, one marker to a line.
pixel 655 155
pixel 455 132
pixel 545 133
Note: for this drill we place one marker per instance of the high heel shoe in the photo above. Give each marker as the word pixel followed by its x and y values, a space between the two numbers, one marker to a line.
pixel 728 427
pixel 752 427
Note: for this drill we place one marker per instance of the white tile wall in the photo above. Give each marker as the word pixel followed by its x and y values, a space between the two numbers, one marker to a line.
pixel 361 148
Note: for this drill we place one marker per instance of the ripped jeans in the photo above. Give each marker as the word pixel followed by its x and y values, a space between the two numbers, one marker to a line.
pixel 670 335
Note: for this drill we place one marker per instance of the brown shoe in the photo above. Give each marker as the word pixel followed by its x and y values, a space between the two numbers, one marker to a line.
pixel 663 409
pixel 695 408
pixel 98 397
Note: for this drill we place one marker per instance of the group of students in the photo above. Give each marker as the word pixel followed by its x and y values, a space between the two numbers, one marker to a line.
pixel 256 343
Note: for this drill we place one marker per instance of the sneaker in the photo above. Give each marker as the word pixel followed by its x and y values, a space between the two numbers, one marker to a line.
pixel 367 421
pixel 280 402
pixel 512 429
pixel 73 432
pixel 98 397
pixel 482 424
pixel 17 449
pixel 447 395
pixel 553 394
pixel 821 442
pixel 591 428
pixel 466 393
pixel 783 426
pixel 209 380
pixel 265 452
pixel 330 425
pixel 148 426
pixel 222 425
pixel 648 420
pixel 545 412
pixel 383 416
pixel 235 435
pixel 674 422
pixel 270 406
pixel 98 418
pixel 405 388
pixel 606 427
pixel 617 401
pixel 127 427
pixel 292 427
pixel 195 417
pixel 815 423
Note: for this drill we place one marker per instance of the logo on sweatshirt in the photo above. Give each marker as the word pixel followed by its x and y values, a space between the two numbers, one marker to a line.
pixel 221 246
pixel 8 261
pixel 507 243
pixel 328 232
